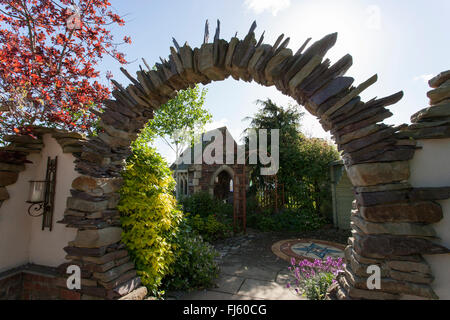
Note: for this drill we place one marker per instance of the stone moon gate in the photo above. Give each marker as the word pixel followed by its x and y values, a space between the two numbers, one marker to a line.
pixel 390 219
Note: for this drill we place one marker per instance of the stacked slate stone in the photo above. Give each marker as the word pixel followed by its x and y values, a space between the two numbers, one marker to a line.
pixel 14 156
pixel 391 223
pixel 389 216
pixel 433 122
pixel 11 163
pixel 107 271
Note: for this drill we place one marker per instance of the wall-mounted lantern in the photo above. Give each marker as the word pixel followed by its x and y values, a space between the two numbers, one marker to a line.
pixel 42 195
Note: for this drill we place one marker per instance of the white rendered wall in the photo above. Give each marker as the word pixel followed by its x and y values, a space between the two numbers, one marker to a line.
pixel 46 247
pixel 430 167
pixel 15 223
pixel 22 239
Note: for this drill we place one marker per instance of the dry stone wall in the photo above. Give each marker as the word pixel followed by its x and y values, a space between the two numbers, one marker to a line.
pixel 389 219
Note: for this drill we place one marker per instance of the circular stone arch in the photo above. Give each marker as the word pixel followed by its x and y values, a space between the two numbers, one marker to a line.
pixel 386 212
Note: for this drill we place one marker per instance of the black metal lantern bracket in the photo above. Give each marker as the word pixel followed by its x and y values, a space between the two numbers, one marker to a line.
pixel 44 205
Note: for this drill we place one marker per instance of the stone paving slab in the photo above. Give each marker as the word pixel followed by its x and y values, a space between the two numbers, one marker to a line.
pixel 268 290
pixel 207 295
pixel 216 295
pixel 283 277
pixel 249 271
pixel 228 284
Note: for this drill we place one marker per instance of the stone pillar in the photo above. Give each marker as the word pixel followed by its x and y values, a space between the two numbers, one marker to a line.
pixel 107 271
pixel 391 220
pixel 430 167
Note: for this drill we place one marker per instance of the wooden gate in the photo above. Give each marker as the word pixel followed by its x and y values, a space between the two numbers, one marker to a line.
pixel 271 194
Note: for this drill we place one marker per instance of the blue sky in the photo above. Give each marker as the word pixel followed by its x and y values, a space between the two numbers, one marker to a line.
pixel 404 42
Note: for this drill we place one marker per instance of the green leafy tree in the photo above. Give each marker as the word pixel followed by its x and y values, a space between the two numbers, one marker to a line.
pixel 304 162
pixel 287 120
pixel 178 121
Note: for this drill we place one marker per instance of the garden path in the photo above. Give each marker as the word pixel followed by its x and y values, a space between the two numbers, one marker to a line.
pixel 249 270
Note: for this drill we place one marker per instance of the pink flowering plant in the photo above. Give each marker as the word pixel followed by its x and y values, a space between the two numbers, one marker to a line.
pixel 312 279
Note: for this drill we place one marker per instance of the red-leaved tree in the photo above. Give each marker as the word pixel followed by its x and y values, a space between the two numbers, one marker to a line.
pixel 49 50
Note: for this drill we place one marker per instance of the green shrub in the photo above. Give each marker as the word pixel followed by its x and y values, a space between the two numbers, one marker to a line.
pixel 224 211
pixel 210 228
pixel 194 265
pixel 149 214
pixel 201 203
pixel 316 287
pixel 209 217
pixel 252 204
pixel 285 220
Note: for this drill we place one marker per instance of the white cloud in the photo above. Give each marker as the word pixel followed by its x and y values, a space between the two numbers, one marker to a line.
pixel 259 6
pixel 423 77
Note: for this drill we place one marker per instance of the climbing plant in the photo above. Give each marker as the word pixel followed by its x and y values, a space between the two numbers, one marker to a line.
pixel 149 214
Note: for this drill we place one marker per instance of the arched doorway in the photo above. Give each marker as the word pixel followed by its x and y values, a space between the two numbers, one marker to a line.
pixel 234 180
pixel 221 184
pixel 223 187
pixel 375 156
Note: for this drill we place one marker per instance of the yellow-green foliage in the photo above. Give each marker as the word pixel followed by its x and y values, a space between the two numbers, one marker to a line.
pixel 149 214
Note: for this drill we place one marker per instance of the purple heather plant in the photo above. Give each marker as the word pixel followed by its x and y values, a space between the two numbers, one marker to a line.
pixel 312 278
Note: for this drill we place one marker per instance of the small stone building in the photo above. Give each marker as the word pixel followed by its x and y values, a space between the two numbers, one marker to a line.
pixel 216 179
pixel 342 193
